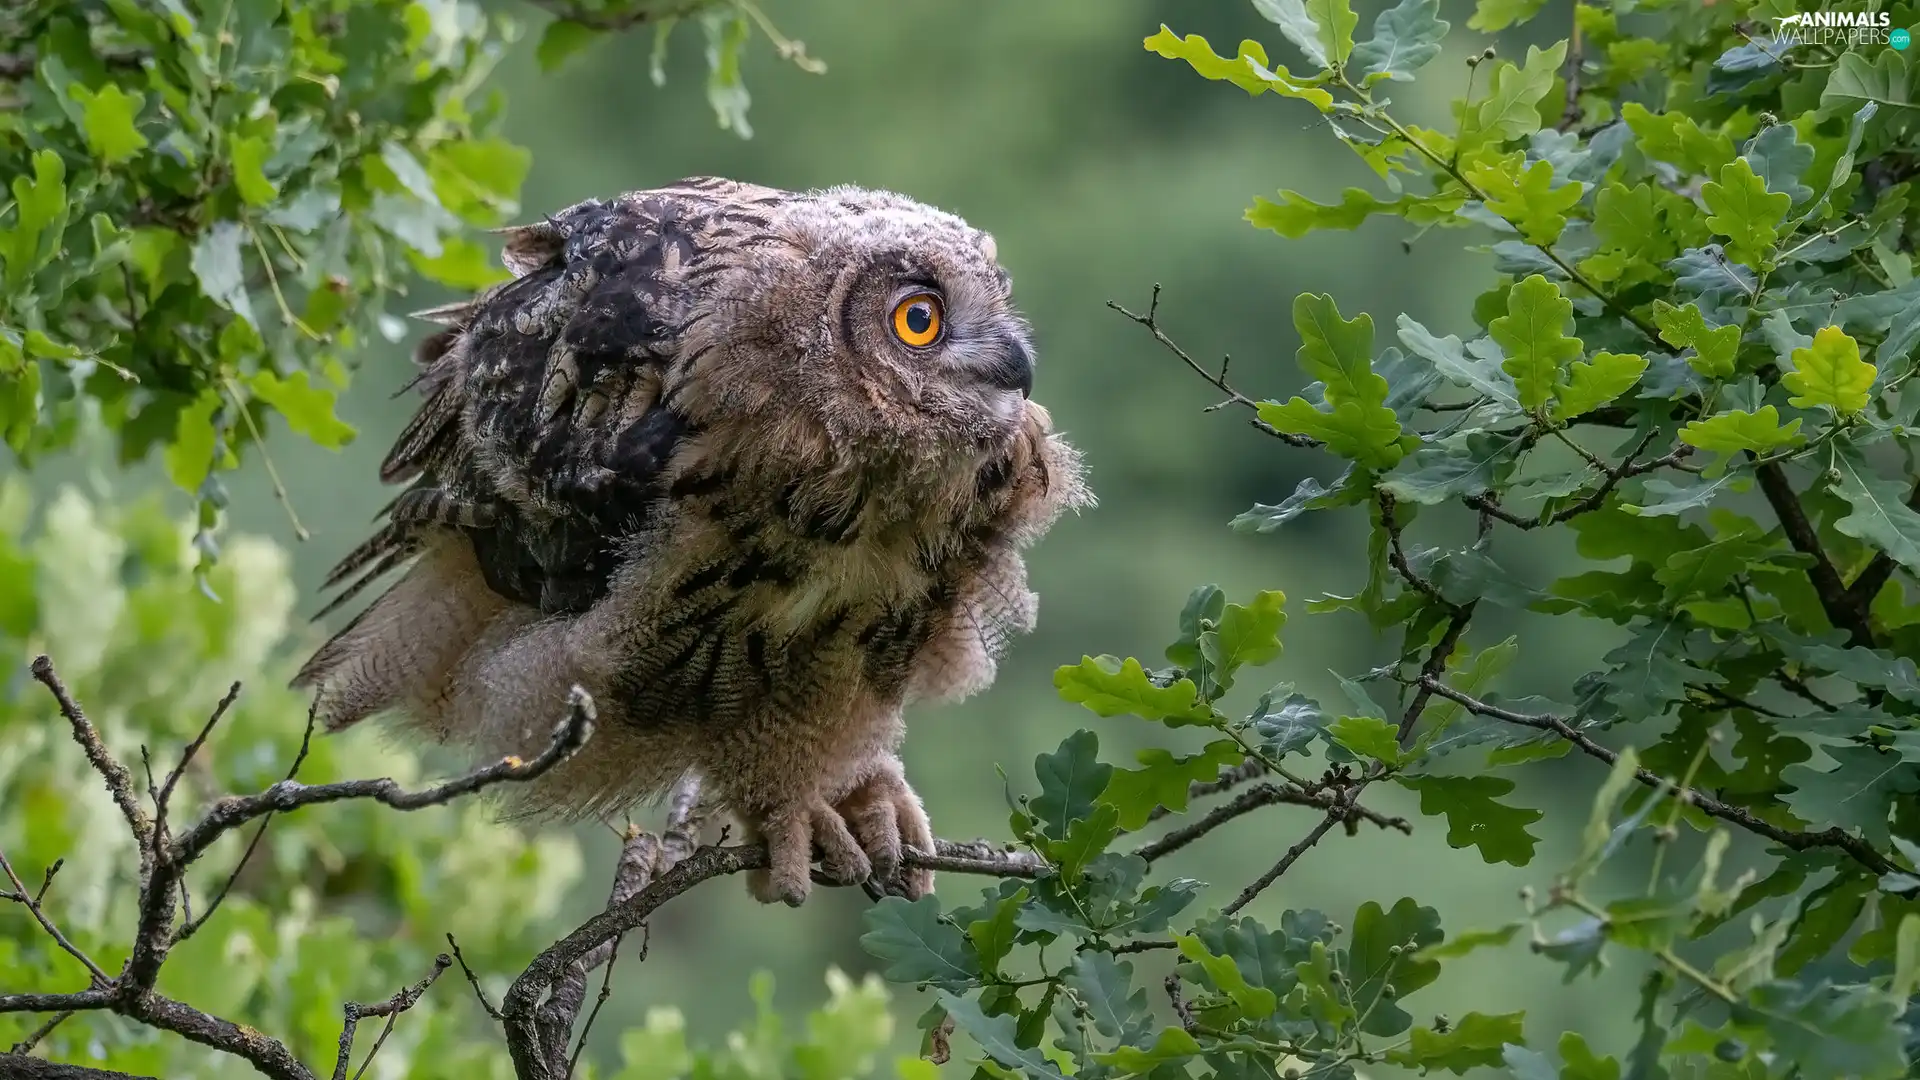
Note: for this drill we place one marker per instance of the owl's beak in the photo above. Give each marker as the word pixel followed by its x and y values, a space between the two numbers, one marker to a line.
pixel 1013 368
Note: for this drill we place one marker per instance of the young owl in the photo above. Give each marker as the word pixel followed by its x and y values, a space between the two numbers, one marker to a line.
pixel 755 468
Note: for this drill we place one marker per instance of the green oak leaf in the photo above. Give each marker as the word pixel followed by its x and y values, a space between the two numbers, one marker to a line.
pixel 109 121
pixel 1087 837
pixel 1321 29
pixel 1105 987
pixel 1368 736
pixel 1172 1046
pixel 250 155
pixel 1405 37
pixel 1451 359
pixel 1164 779
pixel 1337 352
pixel 1476 817
pixel 1295 215
pixel 1512 106
pixel 1469 942
pixel 1369 435
pixel 917 945
pixel 1476 1040
pixel 1254 1002
pixel 1885 80
pixel 561 39
pixel 216 262
pixel 1685 327
pixel 1674 137
pixel 1857 794
pixel 1830 374
pixel 1880 516
pixel 40 215
pixel 1248 70
pixel 993 936
pixel 1735 430
pixel 1246 634
pixel 1525 197
pixel 1829 1032
pixel 1071 778
pixel 997 1036
pixel 1591 384
pixel 1624 217
pixel 1491 16
pixel 1114 687
pixel 309 409
pixel 1745 212
pixel 1780 158
pixel 1533 334
pixel 1371 961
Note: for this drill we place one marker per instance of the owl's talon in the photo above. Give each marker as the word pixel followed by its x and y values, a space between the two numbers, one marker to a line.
pixel 886 816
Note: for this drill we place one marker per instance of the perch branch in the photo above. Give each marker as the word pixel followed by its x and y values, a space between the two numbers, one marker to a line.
pixel 543 977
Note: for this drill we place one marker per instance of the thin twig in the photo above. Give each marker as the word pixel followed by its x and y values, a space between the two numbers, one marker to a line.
pixel 119 781
pixel 1435 666
pixel 472 979
pixel 1151 320
pixel 1860 850
pixel 1333 817
pixel 190 925
pixel 32 904
pixel 1250 800
pixel 391 1009
pixel 33 1037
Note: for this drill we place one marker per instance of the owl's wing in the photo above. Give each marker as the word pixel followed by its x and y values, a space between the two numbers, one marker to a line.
pixel 545 429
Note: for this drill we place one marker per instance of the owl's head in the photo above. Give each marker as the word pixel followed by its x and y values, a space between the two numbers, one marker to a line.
pixel 875 316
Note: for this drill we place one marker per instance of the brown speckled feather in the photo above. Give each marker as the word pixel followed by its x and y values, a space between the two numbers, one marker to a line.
pixel 692 459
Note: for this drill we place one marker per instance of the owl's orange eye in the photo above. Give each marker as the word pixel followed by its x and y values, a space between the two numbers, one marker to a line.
pixel 916 320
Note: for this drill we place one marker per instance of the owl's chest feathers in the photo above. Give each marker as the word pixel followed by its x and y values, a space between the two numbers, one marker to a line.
pixel 790 589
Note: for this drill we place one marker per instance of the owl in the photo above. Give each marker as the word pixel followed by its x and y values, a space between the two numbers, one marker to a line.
pixel 756 469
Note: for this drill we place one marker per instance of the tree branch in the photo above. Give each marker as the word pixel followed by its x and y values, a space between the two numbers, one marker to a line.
pixel 1838 838
pixel 33 906
pixel 525 1000
pixel 119 781
pixel 18 1066
pixel 1252 799
pixel 1843 609
pixel 164 862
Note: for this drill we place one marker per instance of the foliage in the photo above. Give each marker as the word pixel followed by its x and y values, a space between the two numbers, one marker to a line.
pixel 348 903
pixel 1690 363
pixel 1688 368
pixel 213 203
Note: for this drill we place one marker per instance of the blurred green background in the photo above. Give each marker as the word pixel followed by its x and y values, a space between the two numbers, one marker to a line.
pixel 1101 169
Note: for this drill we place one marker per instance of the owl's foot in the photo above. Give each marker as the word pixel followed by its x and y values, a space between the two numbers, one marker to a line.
pixel 885 814
pixel 792 834
pixel 862 837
